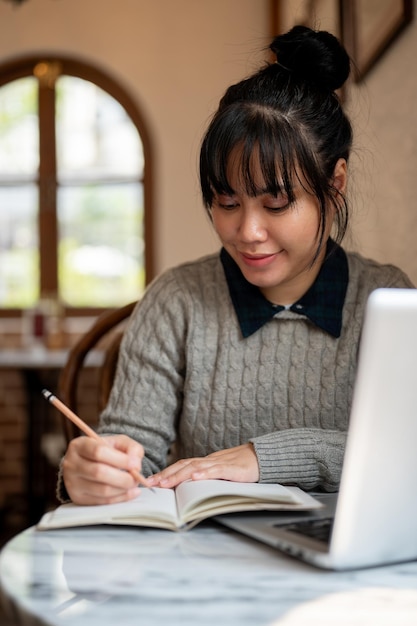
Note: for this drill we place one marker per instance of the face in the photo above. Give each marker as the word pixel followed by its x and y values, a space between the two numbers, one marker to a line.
pixel 273 242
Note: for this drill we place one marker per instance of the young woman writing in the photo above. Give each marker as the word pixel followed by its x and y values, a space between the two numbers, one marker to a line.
pixel 246 359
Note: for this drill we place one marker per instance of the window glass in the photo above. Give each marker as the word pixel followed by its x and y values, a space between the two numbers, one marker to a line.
pixel 100 249
pixel 19 135
pixel 19 273
pixel 19 162
pixel 100 254
pixel 95 137
pixel 80 199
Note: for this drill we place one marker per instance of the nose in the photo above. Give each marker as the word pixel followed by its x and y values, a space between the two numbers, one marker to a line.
pixel 251 225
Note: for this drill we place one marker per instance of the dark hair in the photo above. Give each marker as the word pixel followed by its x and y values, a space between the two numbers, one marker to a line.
pixel 290 113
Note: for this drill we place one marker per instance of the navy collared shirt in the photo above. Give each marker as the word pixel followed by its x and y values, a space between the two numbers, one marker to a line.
pixel 322 304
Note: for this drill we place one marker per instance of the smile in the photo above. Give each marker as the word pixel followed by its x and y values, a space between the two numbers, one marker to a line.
pixel 258 260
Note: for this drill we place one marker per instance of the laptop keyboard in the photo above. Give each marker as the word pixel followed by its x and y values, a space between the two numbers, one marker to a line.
pixel 316 529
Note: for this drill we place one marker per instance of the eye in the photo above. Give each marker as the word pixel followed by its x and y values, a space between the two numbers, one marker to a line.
pixel 276 204
pixel 228 206
pixel 277 209
pixel 226 202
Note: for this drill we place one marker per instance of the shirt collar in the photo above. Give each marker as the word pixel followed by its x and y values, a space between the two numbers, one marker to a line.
pixel 322 304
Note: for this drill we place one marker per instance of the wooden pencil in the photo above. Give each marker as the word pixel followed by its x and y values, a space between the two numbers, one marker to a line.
pixel 85 428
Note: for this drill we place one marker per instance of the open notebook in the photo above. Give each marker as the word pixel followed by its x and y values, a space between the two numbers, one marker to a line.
pixel 374 521
pixel 182 508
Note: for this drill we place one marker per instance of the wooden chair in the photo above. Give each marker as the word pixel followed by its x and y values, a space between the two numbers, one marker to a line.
pixel 106 326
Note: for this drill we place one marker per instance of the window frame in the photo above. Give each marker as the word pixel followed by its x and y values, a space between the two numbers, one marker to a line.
pixel 47 179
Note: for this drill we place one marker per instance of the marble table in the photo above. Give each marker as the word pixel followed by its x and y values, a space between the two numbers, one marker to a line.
pixel 208 576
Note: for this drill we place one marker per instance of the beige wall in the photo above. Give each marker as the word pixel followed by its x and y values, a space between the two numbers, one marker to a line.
pixel 177 56
pixel 384 164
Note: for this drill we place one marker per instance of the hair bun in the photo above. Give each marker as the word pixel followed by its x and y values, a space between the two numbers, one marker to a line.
pixel 315 57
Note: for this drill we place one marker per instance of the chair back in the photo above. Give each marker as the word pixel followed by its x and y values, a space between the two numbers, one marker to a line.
pixel 106 325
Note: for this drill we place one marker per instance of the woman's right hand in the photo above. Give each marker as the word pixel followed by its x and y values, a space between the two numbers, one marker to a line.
pixel 98 472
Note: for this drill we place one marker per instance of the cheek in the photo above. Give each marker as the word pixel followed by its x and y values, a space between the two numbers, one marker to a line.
pixel 221 225
pixel 306 223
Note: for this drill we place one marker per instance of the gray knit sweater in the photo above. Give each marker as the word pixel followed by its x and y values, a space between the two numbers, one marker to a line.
pixel 186 375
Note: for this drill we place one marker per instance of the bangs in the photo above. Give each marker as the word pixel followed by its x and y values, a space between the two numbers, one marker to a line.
pixel 271 153
pixel 244 135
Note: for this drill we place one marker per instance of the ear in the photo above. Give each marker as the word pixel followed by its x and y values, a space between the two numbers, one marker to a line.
pixel 340 176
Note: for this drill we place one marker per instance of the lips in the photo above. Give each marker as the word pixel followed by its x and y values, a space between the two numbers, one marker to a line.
pixel 257 260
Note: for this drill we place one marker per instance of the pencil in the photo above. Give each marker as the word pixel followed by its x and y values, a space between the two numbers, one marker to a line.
pixel 85 428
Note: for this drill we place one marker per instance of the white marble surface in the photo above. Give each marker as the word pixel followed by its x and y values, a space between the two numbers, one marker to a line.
pixel 207 576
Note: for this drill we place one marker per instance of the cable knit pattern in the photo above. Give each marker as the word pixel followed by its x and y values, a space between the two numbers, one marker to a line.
pixel 185 374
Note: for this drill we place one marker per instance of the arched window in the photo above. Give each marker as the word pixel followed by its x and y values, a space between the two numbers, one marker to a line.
pixel 75 188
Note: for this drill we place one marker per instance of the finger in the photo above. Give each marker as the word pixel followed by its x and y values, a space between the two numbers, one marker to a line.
pixel 169 471
pixel 86 493
pixel 92 480
pixel 204 467
pixel 111 451
pixel 186 472
pixel 131 461
pixel 126 444
pixel 92 469
pixel 237 464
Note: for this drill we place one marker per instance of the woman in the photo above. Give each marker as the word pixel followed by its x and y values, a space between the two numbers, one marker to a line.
pixel 246 359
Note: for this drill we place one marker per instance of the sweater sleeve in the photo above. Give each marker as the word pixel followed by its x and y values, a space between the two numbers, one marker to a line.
pixel 307 457
pixel 146 396
pixel 313 457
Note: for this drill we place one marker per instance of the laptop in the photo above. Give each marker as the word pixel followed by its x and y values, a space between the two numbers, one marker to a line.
pixel 372 521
